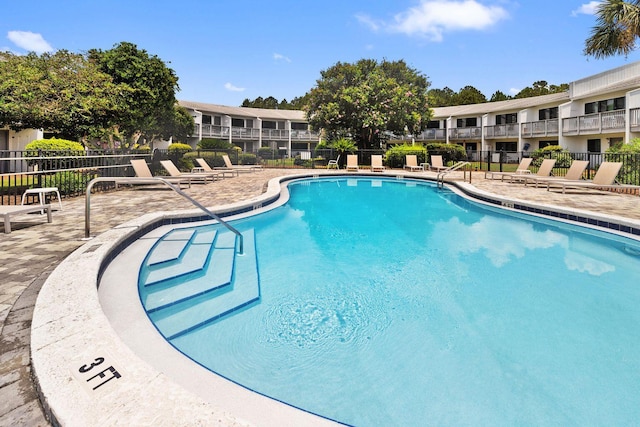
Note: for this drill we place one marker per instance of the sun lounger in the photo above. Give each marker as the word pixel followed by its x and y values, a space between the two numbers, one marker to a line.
pixel 376 163
pixel 239 168
pixel 437 164
pixel 574 173
pixel 523 168
pixel 143 173
pixel 352 162
pixel 174 172
pixel 604 179
pixel 207 169
pixel 543 171
pixel 9 211
pixel 411 163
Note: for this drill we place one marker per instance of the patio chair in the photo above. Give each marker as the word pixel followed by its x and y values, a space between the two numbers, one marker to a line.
pixel 143 173
pixel 411 163
pixel 437 164
pixel 574 173
pixel 207 169
pixel 352 162
pixel 238 168
pixel 604 179
pixel 376 163
pixel 543 171
pixel 334 163
pixel 195 177
pixel 523 168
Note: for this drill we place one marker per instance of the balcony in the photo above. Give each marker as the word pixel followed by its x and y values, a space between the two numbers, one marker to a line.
pixel 510 130
pixel 609 122
pixel 634 119
pixel 465 133
pixel 540 128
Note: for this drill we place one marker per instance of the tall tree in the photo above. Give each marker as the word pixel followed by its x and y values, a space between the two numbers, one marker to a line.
pixel 442 97
pixel 499 96
pixel 367 98
pixel 154 85
pixel 469 95
pixel 541 87
pixel 617 28
pixel 60 92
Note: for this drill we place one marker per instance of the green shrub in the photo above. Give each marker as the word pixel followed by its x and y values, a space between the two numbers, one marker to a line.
pixel 213 158
pixel 395 156
pixel 562 156
pixel 179 147
pixel 53 147
pixel 629 155
pixel 268 153
pixel 214 144
pixel 449 152
pixel 70 182
pixel 248 159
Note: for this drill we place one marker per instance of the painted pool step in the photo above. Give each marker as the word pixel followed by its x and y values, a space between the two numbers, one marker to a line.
pixel 171 247
pixel 217 275
pixel 181 318
pixel 192 260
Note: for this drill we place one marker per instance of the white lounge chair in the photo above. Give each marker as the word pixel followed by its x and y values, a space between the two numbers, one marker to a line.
pixel 208 169
pixel 437 164
pixel 334 163
pixel 376 163
pixel 543 171
pixel 411 163
pixel 523 168
pixel 604 179
pixel 239 168
pixel 574 173
pixel 174 172
pixel 143 172
pixel 352 162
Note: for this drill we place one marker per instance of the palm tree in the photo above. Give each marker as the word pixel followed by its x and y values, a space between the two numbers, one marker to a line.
pixel 618 26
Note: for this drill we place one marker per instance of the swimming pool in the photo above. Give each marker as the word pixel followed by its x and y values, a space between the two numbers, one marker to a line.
pixel 382 299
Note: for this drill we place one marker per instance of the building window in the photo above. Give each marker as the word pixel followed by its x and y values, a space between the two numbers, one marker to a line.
pixel 217 120
pixel 548 113
pixel 237 123
pixel 299 126
pixel 267 124
pixel 206 120
pixel 605 105
pixel 593 145
pixel 433 124
pixel 248 123
pixel 467 122
pixel 506 146
pixel 504 119
pixel 542 144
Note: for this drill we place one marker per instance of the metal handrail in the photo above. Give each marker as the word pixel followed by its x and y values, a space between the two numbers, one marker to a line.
pixel 154 180
pixel 441 175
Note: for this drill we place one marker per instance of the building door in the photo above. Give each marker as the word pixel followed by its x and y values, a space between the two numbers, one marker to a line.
pixel 593 146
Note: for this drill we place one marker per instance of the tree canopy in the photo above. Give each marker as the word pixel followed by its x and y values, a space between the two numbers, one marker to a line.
pixel 616 30
pixel 368 98
pixel 270 102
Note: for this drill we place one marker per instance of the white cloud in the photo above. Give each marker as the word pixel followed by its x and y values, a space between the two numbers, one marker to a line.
pixel 279 57
pixel 232 88
pixel 587 8
pixel 33 42
pixel 514 91
pixel 432 18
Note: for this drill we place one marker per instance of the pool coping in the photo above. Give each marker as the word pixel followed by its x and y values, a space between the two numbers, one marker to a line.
pixel 74 347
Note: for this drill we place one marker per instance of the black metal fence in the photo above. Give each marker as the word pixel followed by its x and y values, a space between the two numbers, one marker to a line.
pixel 71 171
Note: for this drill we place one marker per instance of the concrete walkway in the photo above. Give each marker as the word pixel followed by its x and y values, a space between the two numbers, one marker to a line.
pixel 35 248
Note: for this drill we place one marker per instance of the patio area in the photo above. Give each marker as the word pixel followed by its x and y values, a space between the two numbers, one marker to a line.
pixel 35 248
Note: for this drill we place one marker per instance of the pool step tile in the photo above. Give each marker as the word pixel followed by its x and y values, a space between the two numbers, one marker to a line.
pixel 193 259
pixel 171 247
pixel 178 319
pixel 217 275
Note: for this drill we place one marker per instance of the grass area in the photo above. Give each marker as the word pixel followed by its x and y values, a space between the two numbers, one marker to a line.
pixel 8 181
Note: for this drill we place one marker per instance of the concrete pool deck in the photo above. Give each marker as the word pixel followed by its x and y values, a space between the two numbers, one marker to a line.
pixel 34 249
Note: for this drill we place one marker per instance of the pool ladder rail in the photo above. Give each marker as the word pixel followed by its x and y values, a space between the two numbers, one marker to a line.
pixel 465 166
pixel 146 181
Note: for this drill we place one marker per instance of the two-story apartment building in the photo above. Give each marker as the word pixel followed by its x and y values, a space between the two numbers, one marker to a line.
pixel 595 112
pixel 252 128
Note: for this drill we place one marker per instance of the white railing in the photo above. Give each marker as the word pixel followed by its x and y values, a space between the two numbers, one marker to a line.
pixel 501 131
pixel 610 121
pixel 465 133
pixel 540 128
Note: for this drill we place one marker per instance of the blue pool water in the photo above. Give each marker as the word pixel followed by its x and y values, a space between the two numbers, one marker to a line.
pixel 390 302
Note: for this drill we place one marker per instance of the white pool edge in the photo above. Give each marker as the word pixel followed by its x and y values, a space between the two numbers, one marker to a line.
pixel 71 333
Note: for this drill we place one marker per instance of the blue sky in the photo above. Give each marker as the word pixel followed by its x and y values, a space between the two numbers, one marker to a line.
pixel 224 52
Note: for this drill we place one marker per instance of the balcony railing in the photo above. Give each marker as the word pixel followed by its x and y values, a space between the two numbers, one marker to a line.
pixel 217 131
pixel 465 133
pixel 634 119
pixel 540 128
pixel 611 121
pixel 501 131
